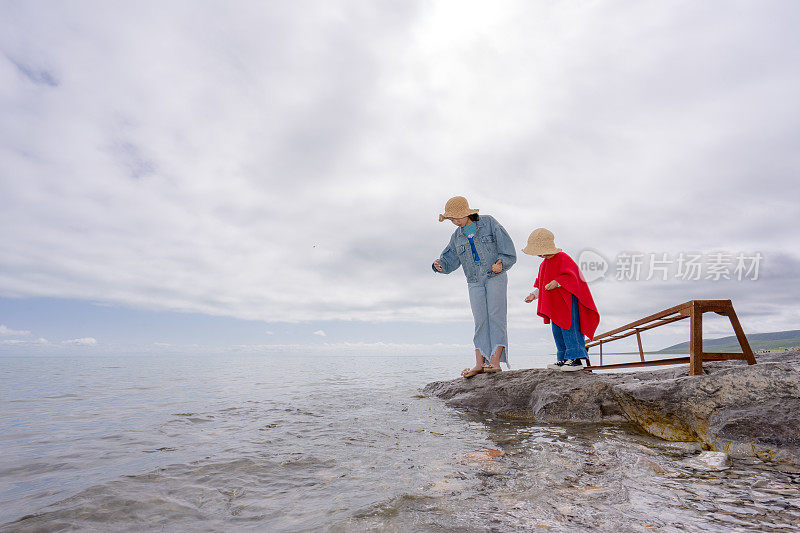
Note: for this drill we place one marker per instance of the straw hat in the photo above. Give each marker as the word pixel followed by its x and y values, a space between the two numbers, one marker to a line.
pixel 541 242
pixel 457 207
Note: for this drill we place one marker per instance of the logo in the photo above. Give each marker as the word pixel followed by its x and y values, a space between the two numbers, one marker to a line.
pixel 593 266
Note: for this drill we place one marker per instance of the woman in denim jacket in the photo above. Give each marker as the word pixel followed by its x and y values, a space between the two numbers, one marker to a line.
pixel 482 247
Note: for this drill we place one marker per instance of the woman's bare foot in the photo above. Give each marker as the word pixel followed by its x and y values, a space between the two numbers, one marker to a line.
pixel 494 363
pixel 469 372
pixel 490 369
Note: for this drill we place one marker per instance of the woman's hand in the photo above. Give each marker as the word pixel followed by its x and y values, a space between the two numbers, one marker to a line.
pixel 497 267
pixel 437 265
pixel 531 297
pixel 552 285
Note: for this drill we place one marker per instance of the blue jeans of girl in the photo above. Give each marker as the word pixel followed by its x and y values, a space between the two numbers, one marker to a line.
pixel 569 342
pixel 488 300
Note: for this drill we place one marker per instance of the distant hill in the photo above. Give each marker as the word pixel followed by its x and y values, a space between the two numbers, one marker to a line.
pixel 758 341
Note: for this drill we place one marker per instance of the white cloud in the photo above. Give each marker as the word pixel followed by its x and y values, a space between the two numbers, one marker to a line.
pixel 20 342
pixel 84 341
pixel 320 332
pixel 288 164
pixel 8 332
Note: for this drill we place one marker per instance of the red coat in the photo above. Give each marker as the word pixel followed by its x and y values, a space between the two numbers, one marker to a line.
pixel 556 305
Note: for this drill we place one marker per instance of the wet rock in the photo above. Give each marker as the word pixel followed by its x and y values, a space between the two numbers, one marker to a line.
pixel 568 510
pixel 735 408
pixel 742 410
pixel 710 461
pixel 446 486
pixel 535 394
pixel 680 446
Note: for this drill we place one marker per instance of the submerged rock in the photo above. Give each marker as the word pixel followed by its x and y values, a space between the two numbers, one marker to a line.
pixel 735 408
pixel 484 454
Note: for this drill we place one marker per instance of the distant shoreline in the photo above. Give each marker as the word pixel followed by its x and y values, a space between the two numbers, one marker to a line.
pixel 683 352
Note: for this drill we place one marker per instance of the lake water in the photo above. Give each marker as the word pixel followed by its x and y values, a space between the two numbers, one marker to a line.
pixel 335 443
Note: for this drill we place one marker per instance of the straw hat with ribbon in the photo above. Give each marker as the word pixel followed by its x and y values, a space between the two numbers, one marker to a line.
pixel 541 242
pixel 457 207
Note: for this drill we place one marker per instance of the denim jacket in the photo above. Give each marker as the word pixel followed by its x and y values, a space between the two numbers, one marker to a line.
pixel 492 243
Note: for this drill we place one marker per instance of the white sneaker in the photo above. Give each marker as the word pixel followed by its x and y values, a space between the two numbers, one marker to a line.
pixel 556 365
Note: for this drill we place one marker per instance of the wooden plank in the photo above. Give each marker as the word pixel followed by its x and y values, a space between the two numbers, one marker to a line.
pixel 696 342
pixel 713 305
pixel 632 325
pixel 639 340
pixel 720 307
pixel 618 337
pixel 662 322
pixel 652 362
pixel 633 331
pixel 640 327
pixel 723 356
pixel 645 320
pixel 614 338
pixel 741 337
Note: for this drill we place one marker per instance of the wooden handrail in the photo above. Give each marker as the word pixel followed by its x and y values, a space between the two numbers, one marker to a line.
pixel 692 310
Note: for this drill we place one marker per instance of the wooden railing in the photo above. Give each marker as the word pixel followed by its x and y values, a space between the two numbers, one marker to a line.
pixel 692 310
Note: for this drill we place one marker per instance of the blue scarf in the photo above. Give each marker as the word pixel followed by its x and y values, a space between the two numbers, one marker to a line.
pixel 470 231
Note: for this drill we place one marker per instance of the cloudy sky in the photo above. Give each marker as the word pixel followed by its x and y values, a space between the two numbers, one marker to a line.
pixel 201 177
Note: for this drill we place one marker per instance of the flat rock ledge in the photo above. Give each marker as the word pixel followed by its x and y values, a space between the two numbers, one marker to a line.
pixel 735 408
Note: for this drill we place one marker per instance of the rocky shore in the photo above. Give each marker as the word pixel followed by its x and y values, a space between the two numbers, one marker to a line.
pixel 734 408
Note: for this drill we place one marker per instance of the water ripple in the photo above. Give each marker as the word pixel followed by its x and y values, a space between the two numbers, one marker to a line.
pixel 329 444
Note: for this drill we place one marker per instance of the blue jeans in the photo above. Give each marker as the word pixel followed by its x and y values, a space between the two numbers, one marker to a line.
pixel 569 342
pixel 488 300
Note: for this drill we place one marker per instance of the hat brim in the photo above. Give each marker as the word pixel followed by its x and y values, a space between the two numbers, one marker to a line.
pixel 535 250
pixel 446 215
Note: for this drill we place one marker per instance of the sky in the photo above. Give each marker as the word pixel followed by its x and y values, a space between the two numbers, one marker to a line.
pixel 253 177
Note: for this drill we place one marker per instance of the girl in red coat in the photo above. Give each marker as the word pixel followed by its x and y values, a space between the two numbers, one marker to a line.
pixel 564 300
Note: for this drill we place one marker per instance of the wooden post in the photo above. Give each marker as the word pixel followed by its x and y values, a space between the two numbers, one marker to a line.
pixel 742 338
pixel 639 340
pixel 696 340
pixel 601 353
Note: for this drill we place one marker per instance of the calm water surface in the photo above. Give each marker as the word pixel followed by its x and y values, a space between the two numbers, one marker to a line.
pixel 334 443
